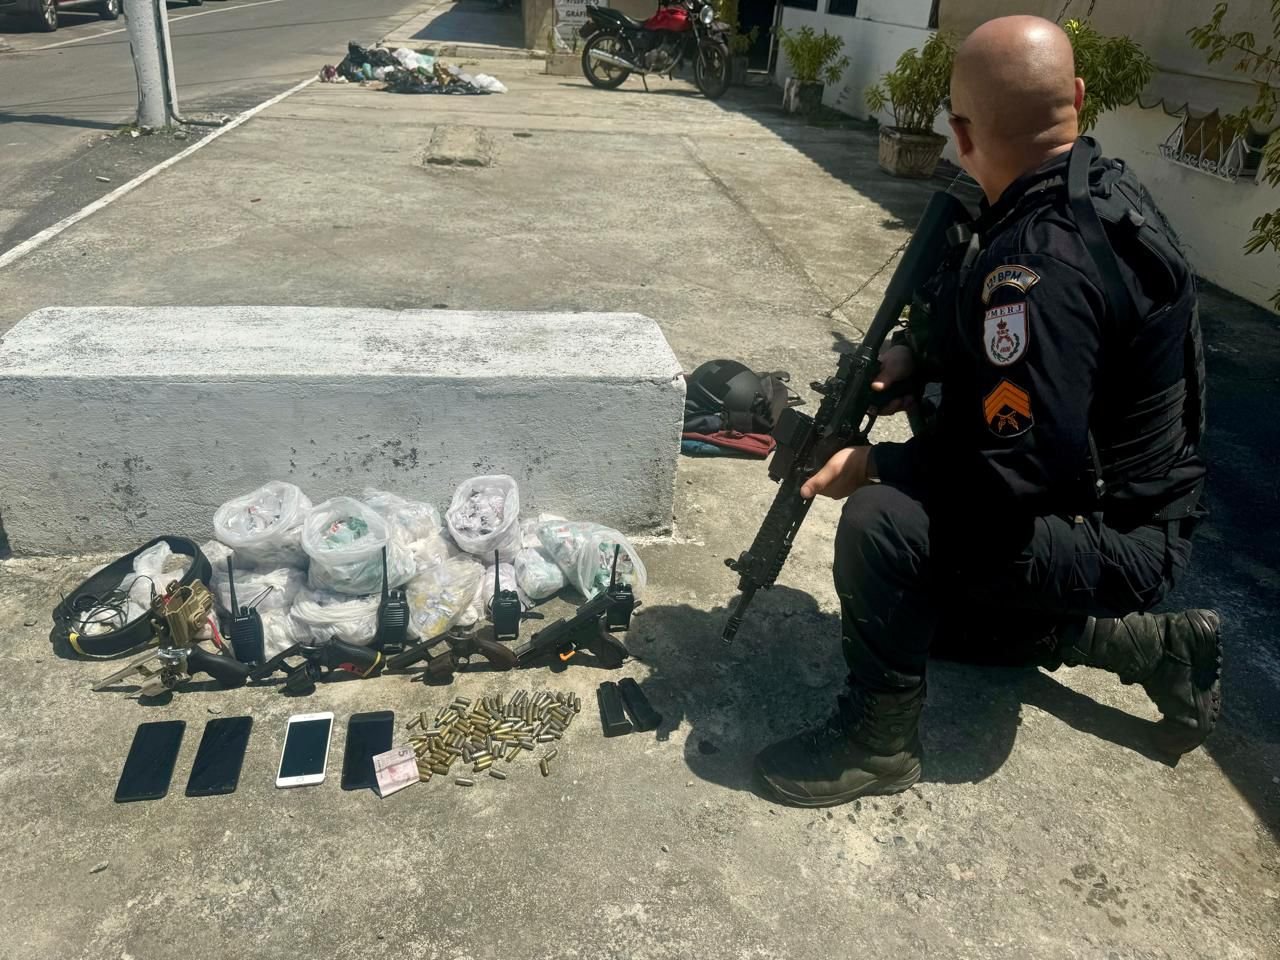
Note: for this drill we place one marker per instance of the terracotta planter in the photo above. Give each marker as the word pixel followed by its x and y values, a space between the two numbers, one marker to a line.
pixel 800 97
pixel 909 154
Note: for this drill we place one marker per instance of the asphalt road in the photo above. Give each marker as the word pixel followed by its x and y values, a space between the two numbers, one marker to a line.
pixel 62 95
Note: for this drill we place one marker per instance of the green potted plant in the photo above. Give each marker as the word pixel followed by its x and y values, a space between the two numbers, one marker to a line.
pixel 914 91
pixel 814 64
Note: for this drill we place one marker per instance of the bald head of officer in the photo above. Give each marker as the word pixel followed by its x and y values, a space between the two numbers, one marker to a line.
pixel 1015 99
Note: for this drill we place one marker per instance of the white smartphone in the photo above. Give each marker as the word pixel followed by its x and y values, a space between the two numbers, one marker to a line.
pixel 306 750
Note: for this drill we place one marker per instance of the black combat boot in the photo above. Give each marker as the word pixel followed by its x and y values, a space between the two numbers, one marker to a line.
pixel 1177 657
pixel 869 746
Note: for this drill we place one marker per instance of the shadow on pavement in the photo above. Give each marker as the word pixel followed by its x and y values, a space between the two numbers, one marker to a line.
pixel 784 670
pixel 56 121
pixel 475 21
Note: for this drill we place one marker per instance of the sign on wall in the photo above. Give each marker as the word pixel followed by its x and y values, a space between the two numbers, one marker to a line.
pixel 569 16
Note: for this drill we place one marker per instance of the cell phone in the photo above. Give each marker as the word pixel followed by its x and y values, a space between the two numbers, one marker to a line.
pixel 149 766
pixel 306 750
pixel 368 734
pixel 216 769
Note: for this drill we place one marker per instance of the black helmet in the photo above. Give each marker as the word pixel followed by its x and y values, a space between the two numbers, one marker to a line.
pixel 747 401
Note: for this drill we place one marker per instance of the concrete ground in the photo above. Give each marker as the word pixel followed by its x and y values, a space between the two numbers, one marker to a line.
pixel 1043 827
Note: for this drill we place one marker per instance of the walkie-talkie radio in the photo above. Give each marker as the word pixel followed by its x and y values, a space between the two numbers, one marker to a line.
pixel 504 608
pixel 247 641
pixel 622 600
pixel 393 615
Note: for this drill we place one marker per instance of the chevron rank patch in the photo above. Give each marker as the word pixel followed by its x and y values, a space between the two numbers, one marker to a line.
pixel 1007 410
pixel 1004 333
pixel 1009 275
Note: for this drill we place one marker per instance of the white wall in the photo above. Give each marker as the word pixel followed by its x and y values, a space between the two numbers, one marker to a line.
pixel 873 41
pixel 1212 217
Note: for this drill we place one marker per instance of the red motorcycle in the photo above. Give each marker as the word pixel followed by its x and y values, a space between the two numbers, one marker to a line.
pixel 679 32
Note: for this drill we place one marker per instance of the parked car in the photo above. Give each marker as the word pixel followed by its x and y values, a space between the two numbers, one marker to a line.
pixel 43 14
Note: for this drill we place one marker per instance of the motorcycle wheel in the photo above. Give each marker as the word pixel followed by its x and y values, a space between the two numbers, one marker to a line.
pixel 605 75
pixel 711 69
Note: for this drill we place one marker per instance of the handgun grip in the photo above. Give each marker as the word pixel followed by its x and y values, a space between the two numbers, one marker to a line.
pixel 501 657
pixel 362 661
pixel 609 652
pixel 228 672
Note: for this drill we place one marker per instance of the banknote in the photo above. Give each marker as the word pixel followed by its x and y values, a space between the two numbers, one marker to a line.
pixel 395 770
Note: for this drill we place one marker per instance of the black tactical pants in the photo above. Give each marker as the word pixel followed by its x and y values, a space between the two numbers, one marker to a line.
pixel 903 581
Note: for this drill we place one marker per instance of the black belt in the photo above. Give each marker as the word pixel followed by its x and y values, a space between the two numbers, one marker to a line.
pixel 68 614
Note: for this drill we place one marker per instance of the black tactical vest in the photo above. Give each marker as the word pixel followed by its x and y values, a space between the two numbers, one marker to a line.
pixel 1144 449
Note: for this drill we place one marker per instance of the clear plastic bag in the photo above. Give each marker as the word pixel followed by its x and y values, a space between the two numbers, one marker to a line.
pixel 265 527
pixel 484 516
pixel 537 574
pixel 277 588
pixel 407 520
pixel 439 598
pixel 563 541
pixel 317 615
pixel 277 631
pixel 344 539
pixel 595 564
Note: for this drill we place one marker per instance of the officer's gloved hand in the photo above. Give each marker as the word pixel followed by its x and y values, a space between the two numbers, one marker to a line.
pixel 897 367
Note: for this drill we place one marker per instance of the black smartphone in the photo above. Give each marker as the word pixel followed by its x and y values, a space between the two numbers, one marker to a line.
pixel 368 734
pixel 149 766
pixel 216 769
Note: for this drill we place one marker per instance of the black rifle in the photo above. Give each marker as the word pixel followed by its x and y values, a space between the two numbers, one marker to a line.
pixel 846 414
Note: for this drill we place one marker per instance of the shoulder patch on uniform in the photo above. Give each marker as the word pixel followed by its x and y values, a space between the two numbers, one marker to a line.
pixel 1007 410
pixel 1004 333
pixel 1009 275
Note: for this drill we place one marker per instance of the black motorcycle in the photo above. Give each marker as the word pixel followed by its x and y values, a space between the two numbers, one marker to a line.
pixel 679 32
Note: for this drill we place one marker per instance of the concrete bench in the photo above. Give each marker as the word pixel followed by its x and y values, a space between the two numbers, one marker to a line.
pixel 124 423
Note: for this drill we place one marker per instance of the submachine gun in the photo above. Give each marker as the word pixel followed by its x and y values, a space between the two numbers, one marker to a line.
pixel 846 414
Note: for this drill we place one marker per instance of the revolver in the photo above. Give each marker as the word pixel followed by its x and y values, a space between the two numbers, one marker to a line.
pixel 459 649
pixel 315 659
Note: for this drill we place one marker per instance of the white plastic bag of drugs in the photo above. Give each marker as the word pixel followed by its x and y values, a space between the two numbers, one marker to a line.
pixel 277 632
pixel 537 575
pixel 563 541
pixel 344 539
pixel 440 597
pixel 270 589
pixel 265 527
pixel 317 615
pixel 595 564
pixel 407 520
pixel 484 516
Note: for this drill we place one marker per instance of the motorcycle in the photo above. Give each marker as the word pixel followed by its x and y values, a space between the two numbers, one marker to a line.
pixel 679 32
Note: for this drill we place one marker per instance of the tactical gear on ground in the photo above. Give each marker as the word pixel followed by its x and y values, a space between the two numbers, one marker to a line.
pixel 869 746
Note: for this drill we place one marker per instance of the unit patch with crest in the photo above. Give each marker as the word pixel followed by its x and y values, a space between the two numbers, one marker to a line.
pixel 1004 333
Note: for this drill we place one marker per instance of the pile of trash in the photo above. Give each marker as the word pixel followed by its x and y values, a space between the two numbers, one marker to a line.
pixel 316 571
pixel 406 71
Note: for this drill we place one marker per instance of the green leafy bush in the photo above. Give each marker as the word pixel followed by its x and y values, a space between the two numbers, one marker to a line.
pixel 1114 69
pixel 915 89
pixel 813 57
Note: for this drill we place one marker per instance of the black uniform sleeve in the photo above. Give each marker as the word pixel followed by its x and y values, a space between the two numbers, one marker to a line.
pixel 1034 331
